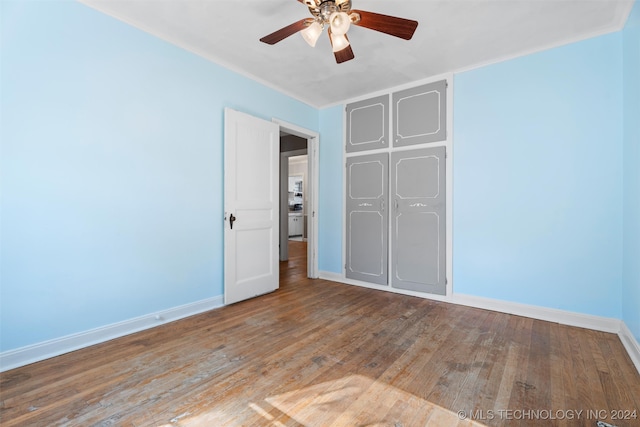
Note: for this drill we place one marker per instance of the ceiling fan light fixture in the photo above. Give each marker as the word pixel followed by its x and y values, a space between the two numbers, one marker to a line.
pixel 338 16
pixel 339 22
pixel 312 33
pixel 339 42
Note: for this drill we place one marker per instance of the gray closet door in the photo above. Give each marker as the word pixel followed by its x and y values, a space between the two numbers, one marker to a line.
pixel 367 218
pixel 420 114
pixel 368 124
pixel 418 220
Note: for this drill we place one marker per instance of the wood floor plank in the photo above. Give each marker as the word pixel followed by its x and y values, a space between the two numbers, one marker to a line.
pixel 484 391
pixel 317 353
pixel 562 388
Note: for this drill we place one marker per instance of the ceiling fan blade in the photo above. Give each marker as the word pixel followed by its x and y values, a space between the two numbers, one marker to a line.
pixel 343 55
pixel 285 32
pixel 394 26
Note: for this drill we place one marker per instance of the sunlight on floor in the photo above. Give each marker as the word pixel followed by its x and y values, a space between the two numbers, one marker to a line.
pixel 354 400
pixel 358 400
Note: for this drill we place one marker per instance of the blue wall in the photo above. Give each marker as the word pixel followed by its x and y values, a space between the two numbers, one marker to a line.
pixel 631 270
pixel 331 198
pixel 111 170
pixel 538 179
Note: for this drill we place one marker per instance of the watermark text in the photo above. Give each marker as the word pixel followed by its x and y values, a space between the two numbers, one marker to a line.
pixel 549 414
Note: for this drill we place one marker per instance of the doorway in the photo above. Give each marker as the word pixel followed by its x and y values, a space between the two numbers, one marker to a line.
pixel 298 195
pixel 298 198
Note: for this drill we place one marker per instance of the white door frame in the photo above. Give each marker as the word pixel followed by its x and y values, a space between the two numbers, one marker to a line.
pixel 313 140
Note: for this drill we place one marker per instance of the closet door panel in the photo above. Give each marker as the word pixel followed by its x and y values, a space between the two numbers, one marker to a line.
pixel 416 256
pixel 367 124
pixel 367 249
pixel 420 114
pixel 418 220
pixel 367 218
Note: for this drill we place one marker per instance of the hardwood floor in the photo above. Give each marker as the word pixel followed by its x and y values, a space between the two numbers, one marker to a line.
pixel 318 353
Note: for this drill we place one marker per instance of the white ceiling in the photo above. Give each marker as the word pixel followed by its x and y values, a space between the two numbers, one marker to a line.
pixel 452 35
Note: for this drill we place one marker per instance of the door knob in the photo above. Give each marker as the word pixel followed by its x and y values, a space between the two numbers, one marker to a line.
pixel 231 219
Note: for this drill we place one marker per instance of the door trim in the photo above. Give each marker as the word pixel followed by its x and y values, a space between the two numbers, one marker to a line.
pixel 313 142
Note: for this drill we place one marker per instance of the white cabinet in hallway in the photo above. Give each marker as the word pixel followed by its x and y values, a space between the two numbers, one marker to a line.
pixel 296 225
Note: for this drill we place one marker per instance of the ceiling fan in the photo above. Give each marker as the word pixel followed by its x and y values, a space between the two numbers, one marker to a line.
pixel 337 16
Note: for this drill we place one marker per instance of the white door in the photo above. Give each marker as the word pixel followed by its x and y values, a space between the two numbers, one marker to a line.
pixel 251 198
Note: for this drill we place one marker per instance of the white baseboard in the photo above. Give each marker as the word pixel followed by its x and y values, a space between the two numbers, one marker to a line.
pixel 588 321
pixel 328 275
pixel 335 277
pixel 36 352
pixel 631 344
pixel 597 323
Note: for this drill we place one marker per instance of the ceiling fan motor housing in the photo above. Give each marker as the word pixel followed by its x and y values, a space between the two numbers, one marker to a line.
pixel 325 9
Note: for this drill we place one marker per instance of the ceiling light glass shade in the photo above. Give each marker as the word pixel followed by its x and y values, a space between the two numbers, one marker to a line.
pixel 311 33
pixel 339 22
pixel 339 42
